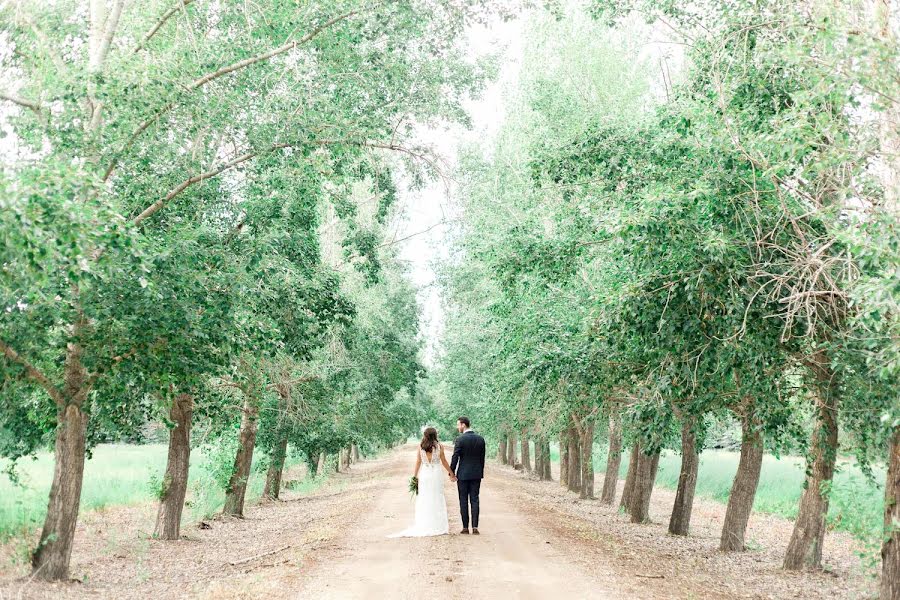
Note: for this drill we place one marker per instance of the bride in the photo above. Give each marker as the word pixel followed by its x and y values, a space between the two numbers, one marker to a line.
pixel 431 508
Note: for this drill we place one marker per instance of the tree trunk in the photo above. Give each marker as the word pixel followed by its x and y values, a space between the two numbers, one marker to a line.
pixel 276 468
pixel 743 490
pixel 511 458
pixel 240 473
pixel 50 560
pixel 526 453
pixel 564 458
pixel 805 548
pixel 628 492
pixel 587 461
pixel 539 458
pixel 354 453
pixel 680 522
pixel 175 481
pixel 890 549
pixel 548 463
pixel 644 478
pixel 574 476
pixel 320 468
pixel 613 460
pixel 345 459
pixel 501 451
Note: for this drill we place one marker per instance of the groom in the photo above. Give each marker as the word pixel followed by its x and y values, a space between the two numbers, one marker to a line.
pixel 468 455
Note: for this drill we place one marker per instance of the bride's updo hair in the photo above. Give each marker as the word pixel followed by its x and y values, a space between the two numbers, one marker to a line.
pixel 429 439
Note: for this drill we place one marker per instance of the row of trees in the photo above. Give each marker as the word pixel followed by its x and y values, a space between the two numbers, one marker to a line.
pixel 654 244
pixel 193 207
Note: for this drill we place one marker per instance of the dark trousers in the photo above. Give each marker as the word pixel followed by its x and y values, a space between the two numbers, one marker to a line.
pixel 468 493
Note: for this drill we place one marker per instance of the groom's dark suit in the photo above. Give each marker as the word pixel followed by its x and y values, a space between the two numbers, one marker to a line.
pixel 468 464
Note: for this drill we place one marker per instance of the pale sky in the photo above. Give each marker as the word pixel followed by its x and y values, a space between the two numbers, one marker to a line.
pixel 428 207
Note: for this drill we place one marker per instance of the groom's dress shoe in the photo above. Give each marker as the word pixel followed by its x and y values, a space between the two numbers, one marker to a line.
pixel 464 532
pixel 475 531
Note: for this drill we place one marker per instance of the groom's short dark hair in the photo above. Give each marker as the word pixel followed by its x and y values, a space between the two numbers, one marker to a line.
pixel 465 421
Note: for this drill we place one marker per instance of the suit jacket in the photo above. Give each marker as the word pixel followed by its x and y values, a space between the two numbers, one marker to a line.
pixel 468 457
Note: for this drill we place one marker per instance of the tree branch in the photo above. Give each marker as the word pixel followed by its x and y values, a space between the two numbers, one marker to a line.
pixel 179 5
pixel 33 372
pixel 150 210
pixel 201 81
pixel 267 55
pixel 112 22
pixel 23 102
pixel 198 178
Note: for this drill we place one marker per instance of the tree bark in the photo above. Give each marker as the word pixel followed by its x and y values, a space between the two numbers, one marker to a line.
pixel 320 468
pixel 50 560
pixel 587 460
pixel 805 548
pixel 890 549
pixel 628 491
pixel 354 453
pixel 501 451
pixel 548 474
pixel 680 521
pixel 743 490
pixel 564 458
pixel 644 478
pixel 574 476
pixel 613 460
pixel 276 469
pixel 240 472
pixel 539 458
pixel 175 481
pixel 511 458
pixel 525 452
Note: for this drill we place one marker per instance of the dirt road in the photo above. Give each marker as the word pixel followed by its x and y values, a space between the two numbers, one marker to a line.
pixel 511 559
pixel 538 541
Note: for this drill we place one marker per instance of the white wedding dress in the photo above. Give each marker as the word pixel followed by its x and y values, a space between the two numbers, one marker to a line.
pixel 431 507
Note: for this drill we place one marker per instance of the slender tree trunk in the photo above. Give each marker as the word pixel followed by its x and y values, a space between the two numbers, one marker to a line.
pixel 501 451
pixel 587 460
pixel 890 549
pixel 345 459
pixel 525 452
pixel 743 490
pixel 511 458
pixel 320 469
pixel 50 560
pixel 276 468
pixel 644 478
pixel 539 458
pixel 613 460
pixel 548 474
pixel 574 477
pixel 628 491
pixel 564 458
pixel 175 481
pixel 805 548
pixel 354 453
pixel 680 522
pixel 240 473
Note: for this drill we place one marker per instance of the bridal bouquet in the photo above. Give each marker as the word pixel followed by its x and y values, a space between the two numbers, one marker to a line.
pixel 413 486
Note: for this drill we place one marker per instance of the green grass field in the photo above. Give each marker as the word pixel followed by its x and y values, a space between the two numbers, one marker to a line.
pixel 117 474
pixel 856 503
